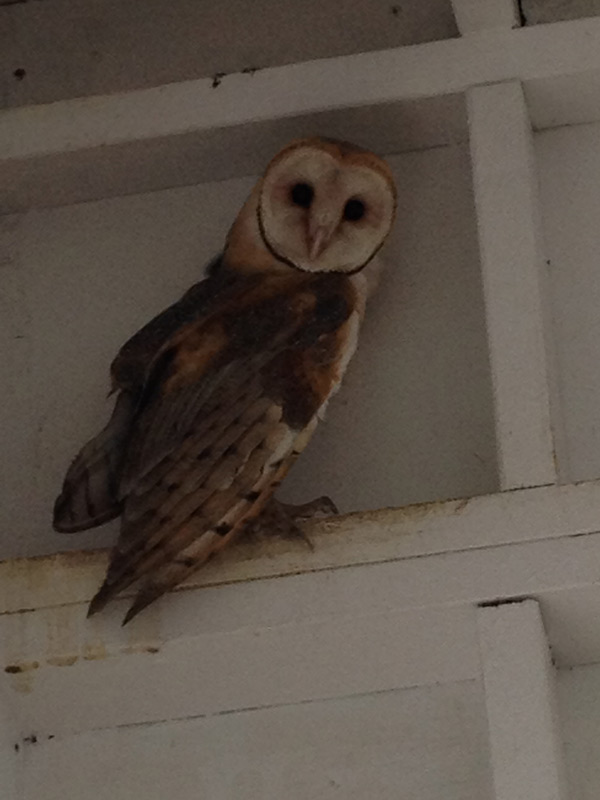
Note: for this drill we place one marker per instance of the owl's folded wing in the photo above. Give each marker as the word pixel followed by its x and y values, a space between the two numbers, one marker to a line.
pixel 229 404
pixel 89 495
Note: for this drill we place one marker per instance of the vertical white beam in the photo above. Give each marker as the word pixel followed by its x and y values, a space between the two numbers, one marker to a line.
pixel 518 678
pixel 512 267
pixel 479 15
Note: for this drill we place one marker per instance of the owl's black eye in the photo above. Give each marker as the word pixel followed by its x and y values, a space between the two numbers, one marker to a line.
pixel 354 210
pixel 302 194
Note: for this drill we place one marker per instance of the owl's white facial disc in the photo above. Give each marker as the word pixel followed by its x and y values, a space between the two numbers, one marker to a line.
pixel 323 208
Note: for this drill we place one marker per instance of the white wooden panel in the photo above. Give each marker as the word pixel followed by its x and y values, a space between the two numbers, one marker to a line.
pixel 270 642
pixel 426 744
pixel 569 163
pixel 253 667
pixel 518 678
pixel 91 275
pixel 579 698
pixel 480 15
pixel 507 217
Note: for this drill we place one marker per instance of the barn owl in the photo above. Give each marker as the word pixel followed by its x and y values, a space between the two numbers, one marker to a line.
pixel 220 393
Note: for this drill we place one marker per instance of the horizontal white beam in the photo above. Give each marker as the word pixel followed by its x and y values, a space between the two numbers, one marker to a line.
pixel 426 70
pixel 511 263
pixel 479 15
pixel 546 569
pixel 211 670
pixel 548 512
pixel 346 631
pixel 185 133
pixel 518 679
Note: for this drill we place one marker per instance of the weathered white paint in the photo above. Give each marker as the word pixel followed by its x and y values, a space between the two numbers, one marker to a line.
pixel 558 513
pixel 422 743
pixel 507 217
pixel 213 671
pixel 480 15
pixel 138 141
pixel 305 638
pixel 519 678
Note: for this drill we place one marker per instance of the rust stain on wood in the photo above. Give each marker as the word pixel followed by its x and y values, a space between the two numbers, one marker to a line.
pixel 24 666
pixel 94 651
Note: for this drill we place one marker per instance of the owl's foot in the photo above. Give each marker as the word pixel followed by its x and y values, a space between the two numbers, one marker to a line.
pixel 279 519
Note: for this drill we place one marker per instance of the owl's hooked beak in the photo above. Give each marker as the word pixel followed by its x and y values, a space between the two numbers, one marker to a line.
pixel 318 237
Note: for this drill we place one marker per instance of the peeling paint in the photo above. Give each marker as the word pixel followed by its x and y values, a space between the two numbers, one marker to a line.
pixel 62 661
pixel 394 516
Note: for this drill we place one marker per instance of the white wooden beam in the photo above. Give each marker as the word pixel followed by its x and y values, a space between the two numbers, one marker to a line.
pixel 144 140
pixel 518 678
pixel 405 73
pixel 511 262
pixel 272 642
pixel 479 15
pixel 478 523
pixel 254 665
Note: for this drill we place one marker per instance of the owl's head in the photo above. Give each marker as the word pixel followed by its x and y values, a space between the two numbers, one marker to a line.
pixel 325 205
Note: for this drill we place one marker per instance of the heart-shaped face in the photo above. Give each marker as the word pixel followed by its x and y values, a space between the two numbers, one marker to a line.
pixel 326 206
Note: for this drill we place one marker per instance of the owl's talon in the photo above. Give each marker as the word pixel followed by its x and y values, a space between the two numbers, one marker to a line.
pixel 321 505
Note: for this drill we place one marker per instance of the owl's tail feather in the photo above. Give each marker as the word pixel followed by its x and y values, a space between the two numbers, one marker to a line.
pixel 90 492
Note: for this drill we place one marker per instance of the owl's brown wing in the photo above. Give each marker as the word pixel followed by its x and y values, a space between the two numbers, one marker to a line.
pixel 229 404
pixel 89 495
